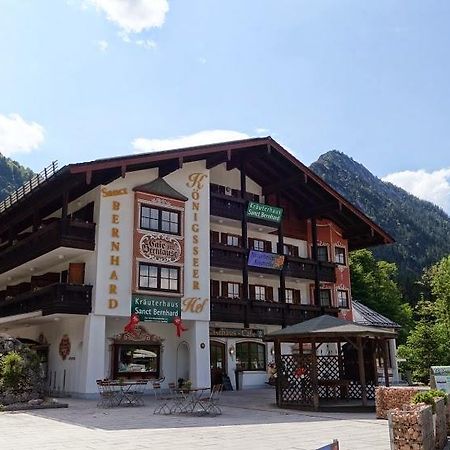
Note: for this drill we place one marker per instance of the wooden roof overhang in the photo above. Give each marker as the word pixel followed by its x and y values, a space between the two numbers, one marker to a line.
pixel 265 161
pixel 326 328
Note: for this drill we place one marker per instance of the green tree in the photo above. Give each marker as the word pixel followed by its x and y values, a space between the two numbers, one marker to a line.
pixel 374 283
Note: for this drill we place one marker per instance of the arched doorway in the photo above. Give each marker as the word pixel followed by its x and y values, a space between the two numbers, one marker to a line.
pixel 183 361
pixel 217 360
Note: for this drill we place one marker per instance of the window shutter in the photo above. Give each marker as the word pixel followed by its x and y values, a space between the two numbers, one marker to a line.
pixel 294 250
pixel 269 293
pixel 279 294
pixel 297 297
pixel 250 243
pixel 214 236
pixel 268 246
pixel 240 241
pixel 251 290
pixel 240 290
pixel 224 237
pixel 224 288
pixel 215 288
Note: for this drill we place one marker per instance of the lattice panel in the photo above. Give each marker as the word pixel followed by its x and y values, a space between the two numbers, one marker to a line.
pixel 328 367
pixel 295 380
pixel 354 391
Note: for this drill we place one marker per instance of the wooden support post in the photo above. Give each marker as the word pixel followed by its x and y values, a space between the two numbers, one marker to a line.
pixel 385 362
pixel 278 393
pixel 315 257
pixel 245 290
pixel 314 376
pixel 374 361
pixel 362 371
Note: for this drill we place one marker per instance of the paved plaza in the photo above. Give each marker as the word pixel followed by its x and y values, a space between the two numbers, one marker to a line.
pixel 250 420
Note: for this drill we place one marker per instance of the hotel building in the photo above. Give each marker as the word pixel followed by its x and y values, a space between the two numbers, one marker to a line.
pixel 173 264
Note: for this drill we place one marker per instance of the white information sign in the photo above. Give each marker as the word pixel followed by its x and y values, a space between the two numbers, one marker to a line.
pixel 441 375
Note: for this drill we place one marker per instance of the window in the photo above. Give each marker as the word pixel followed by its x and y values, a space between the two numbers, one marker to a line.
pixel 159 277
pixel 258 245
pixel 289 295
pixel 339 255
pixel 232 290
pixel 290 250
pixel 260 293
pixel 292 296
pixel 342 299
pixel 232 240
pixel 132 361
pixel 325 297
pixel 322 253
pixel 157 219
pixel 251 356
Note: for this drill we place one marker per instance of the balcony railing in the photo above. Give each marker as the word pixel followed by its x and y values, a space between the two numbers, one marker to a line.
pixel 234 258
pixel 270 313
pixel 59 233
pixel 59 298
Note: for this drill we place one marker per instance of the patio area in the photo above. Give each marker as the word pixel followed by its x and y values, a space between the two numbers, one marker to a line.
pixel 250 419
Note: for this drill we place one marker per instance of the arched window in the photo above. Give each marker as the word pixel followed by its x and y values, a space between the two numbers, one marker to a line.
pixel 250 356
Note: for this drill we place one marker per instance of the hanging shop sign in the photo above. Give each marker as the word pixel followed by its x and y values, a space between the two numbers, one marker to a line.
pixel 252 333
pixel 264 212
pixel 160 248
pixel 155 309
pixel 265 260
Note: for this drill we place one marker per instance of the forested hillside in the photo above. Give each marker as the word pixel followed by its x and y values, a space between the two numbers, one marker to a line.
pixel 420 228
pixel 12 175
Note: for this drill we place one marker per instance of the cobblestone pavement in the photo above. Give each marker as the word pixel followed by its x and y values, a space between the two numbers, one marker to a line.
pixel 250 420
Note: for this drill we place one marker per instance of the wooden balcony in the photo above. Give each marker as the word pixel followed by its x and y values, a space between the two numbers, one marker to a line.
pixel 234 258
pixel 58 298
pixel 59 233
pixel 269 313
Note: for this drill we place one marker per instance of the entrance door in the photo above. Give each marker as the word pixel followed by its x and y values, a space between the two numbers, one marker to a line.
pixel 217 353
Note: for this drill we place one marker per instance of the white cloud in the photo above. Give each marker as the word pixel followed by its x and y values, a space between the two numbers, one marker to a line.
pixel 146 43
pixel 19 136
pixel 134 16
pixel 432 186
pixel 191 140
pixel 201 60
pixel 262 130
pixel 102 45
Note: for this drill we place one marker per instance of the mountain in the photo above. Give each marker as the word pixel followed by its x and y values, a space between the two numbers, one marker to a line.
pixel 421 229
pixel 12 176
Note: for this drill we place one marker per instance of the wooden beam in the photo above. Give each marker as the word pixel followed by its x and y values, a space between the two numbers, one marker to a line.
pixel 385 362
pixel 169 167
pixel 215 160
pixel 362 371
pixel 314 375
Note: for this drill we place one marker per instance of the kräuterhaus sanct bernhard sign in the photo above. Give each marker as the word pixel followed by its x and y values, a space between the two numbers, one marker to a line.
pixel 155 309
pixel 264 212
pixel 265 260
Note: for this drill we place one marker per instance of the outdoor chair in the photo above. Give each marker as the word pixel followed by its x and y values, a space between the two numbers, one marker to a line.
pixel 210 404
pixel 108 395
pixel 163 400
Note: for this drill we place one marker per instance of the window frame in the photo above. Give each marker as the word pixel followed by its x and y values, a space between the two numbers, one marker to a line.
pixel 321 247
pixel 259 241
pixel 159 267
pixel 235 284
pixel 233 237
pixel 247 365
pixel 261 289
pixel 160 211
pixel 291 300
pixel 330 297
pixel 344 254
pixel 347 298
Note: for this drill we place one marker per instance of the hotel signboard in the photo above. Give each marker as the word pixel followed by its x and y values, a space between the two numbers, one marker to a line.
pixel 155 309
pixel 160 248
pixel 237 332
pixel 265 260
pixel 264 212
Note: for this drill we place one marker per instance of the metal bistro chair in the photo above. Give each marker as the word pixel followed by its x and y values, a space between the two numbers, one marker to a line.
pixel 210 404
pixel 108 395
pixel 163 400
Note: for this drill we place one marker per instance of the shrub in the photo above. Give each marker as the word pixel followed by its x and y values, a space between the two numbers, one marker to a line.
pixel 428 397
pixel 12 370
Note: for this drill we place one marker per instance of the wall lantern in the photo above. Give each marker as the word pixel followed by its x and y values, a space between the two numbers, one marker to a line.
pixel 272 351
pixel 231 351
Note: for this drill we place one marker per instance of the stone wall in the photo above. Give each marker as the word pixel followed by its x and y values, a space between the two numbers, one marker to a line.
pixel 440 430
pixel 387 398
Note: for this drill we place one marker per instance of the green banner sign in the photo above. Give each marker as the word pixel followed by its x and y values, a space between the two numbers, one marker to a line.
pixel 264 212
pixel 155 309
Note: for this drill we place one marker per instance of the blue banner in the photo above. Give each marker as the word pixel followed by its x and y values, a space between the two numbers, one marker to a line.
pixel 265 260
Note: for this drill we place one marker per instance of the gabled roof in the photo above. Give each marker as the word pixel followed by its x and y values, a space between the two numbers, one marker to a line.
pixel 363 315
pixel 326 326
pixel 160 187
pixel 265 161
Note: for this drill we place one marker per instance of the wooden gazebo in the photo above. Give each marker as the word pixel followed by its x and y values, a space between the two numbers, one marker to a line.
pixel 345 370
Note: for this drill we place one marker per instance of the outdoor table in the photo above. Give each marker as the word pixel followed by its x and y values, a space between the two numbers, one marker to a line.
pixel 188 401
pixel 121 393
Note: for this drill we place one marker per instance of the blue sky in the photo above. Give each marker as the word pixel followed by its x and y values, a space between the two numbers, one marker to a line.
pixel 84 79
